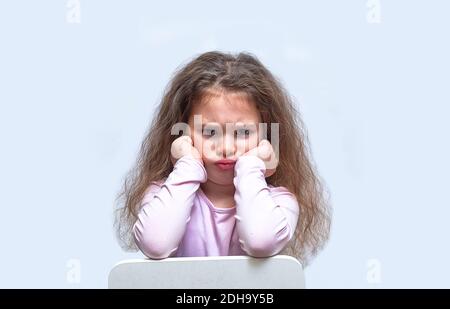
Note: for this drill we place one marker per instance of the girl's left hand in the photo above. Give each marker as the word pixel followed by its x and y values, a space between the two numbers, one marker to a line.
pixel 265 152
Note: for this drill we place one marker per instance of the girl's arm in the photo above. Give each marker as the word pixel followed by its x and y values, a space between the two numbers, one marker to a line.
pixel 266 220
pixel 165 209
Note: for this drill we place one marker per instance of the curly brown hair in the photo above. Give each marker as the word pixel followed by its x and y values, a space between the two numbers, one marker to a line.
pixel 242 73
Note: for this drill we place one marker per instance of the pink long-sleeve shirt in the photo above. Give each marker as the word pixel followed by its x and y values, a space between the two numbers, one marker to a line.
pixel 176 218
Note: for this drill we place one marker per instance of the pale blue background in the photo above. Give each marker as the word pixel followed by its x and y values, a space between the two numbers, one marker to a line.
pixel 76 99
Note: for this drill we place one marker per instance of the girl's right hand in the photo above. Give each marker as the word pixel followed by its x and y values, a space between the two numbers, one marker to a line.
pixel 183 146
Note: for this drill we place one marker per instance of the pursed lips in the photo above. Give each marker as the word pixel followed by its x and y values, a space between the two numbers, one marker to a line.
pixel 225 164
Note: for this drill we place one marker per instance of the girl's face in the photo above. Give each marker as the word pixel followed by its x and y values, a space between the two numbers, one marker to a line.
pixel 224 127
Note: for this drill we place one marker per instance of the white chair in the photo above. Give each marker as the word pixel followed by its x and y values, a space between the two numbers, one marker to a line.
pixel 218 272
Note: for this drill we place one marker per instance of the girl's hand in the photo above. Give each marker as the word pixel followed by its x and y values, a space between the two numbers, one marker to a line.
pixel 265 152
pixel 183 146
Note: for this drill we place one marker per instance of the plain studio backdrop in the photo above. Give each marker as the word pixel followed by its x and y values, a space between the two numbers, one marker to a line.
pixel 79 81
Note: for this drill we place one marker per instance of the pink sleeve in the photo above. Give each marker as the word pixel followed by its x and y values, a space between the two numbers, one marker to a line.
pixel 266 217
pixel 165 209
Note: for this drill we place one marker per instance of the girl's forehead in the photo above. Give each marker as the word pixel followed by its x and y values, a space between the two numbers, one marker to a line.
pixel 227 107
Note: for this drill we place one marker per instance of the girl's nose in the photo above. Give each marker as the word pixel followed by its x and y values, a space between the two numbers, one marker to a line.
pixel 228 145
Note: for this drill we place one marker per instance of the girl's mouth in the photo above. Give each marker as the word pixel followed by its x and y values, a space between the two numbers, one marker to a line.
pixel 225 165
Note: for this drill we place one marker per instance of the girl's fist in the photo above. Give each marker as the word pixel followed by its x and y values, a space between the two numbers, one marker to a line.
pixel 183 146
pixel 265 152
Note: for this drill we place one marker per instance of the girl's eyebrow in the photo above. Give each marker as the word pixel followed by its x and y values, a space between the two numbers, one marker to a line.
pixel 240 124
pixel 247 124
pixel 211 124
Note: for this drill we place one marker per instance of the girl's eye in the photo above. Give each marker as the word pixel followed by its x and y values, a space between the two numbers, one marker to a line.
pixel 243 132
pixel 209 132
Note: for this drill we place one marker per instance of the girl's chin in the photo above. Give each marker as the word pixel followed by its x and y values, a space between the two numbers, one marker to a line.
pixel 221 178
pixel 222 182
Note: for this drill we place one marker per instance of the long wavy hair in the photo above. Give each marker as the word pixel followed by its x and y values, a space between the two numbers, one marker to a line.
pixel 242 73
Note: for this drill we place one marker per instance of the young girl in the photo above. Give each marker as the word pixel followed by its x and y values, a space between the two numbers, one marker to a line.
pixel 218 185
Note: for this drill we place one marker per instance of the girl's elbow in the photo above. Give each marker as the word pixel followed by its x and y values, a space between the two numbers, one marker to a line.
pixel 150 245
pixel 264 244
pixel 260 246
pixel 258 249
pixel 156 252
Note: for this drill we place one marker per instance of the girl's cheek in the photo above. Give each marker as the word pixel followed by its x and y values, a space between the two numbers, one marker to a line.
pixel 208 150
pixel 241 147
pixel 246 145
pixel 204 146
pixel 197 140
